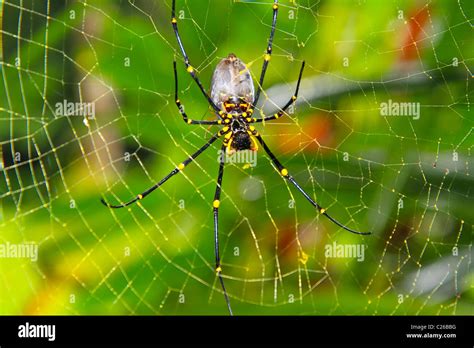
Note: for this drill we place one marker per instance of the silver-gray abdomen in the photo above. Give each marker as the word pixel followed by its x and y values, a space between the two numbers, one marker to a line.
pixel 231 80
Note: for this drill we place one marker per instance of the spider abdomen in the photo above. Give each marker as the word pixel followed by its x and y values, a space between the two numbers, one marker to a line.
pixel 231 83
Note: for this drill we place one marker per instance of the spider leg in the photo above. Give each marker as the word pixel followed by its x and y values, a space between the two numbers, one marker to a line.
pixel 175 171
pixel 287 105
pixel 181 106
pixel 190 69
pixel 284 172
pixel 215 205
pixel 268 54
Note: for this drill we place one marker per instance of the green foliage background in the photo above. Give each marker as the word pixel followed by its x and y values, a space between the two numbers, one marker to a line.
pixel 73 50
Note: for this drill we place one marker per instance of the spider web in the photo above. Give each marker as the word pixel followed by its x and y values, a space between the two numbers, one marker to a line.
pixel 406 179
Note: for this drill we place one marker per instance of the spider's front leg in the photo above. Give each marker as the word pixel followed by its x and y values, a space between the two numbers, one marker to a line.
pixel 175 171
pixel 284 172
pixel 215 205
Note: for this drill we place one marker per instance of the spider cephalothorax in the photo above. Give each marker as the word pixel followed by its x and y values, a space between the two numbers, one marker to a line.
pixel 232 99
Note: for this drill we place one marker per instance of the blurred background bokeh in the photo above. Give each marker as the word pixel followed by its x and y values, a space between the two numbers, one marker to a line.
pixel 407 180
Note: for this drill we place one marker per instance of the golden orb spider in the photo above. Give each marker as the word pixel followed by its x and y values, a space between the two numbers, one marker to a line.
pixel 233 100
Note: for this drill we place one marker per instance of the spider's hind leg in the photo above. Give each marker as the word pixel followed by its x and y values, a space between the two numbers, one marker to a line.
pixel 181 106
pixel 268 54
pixel 290 102
pixel 189 68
